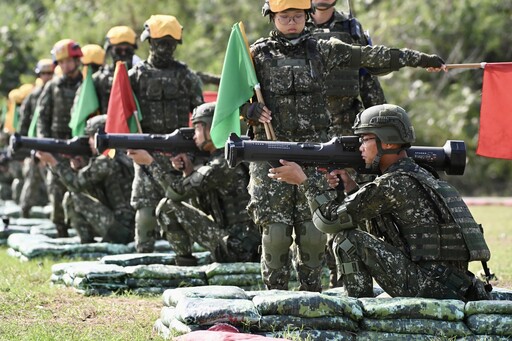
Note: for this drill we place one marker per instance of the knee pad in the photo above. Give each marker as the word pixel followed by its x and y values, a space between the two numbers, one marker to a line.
pixel 311 244
pixel 276 241
pixel 145 219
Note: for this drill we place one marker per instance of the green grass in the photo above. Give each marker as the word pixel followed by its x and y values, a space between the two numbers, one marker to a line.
pixel 497 224
pixel 32 309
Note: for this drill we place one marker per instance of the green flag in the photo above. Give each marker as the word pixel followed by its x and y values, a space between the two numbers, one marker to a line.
pixel 237 83
pixel 86 105
pixel 32 130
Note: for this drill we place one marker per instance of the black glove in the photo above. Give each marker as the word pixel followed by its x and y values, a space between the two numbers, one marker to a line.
pixel 255 110
pixel 430 60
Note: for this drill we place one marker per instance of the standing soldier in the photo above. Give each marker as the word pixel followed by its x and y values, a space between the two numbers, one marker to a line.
pixel 347 89
pixel 167 91
pixel 97 203
pixel 291 67
pixel 120 45
pixel 54 107
pixel 33 192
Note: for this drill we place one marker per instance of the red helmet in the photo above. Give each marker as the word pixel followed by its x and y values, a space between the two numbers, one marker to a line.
pixel 66 48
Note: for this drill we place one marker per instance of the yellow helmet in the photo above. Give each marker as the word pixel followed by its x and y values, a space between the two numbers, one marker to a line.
pixel 16 96
pixel 66 48
pixel 44 65
pixel 93 54
pixel 158 26
pixel 282 5
pixel 25 90
pixel 120 34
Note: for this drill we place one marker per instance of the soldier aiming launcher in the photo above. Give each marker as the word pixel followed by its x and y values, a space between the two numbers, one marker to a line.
pixel 74 146
pixel 341 152
pixel 179 141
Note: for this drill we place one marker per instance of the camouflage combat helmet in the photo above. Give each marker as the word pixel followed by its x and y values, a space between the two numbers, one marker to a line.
pixel 274 6
pixel 159 26
pixel 390 123
pixel 95 123
pixel 204 113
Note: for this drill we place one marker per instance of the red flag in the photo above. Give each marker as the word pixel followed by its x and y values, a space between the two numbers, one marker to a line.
pixel 122 104
pixel 495 135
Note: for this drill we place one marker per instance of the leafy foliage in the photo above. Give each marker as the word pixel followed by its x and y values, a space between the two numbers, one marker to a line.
pixel 443 106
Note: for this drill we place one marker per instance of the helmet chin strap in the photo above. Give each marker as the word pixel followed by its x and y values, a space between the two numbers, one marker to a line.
pixel 374 166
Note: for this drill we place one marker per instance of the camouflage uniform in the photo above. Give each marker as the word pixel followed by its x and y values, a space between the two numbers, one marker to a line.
pixel 103 83
pixel 345 85
pixel 413 245
pixel 348 90
pixel 291 73
pixel 97 202
pixel 166 97
pixel 33 192
pixel 218 219
pixel 54 106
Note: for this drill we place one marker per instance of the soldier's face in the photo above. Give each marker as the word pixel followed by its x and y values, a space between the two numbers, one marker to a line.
pixel 291 21
pixel 368 147
pixel 202 136
pixel 69 66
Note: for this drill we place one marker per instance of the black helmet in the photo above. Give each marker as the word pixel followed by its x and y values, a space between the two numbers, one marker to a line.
pixel 389 122
pixel 95 123
pixel 204 113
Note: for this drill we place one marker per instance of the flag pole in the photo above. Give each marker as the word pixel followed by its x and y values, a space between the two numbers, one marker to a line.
pixel 269 130
pixel 466 66
pixel 136 116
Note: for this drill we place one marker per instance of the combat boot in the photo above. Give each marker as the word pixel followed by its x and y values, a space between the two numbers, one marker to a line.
pixel 186 260
pixel 62 231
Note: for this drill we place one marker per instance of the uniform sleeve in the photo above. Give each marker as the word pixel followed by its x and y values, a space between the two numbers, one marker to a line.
pixel 195 90
pixel 88 177
pixel 338 53
pixel 44 107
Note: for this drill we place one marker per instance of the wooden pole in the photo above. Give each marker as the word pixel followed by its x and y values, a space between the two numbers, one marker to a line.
pixel 269 130
pixel 466 66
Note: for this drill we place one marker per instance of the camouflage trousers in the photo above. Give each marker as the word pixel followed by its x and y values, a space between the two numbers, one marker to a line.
pixel 34 191
pixel 361 256
pixel 146 193
pixel 90 218
pixel 56 190
pixel 183 224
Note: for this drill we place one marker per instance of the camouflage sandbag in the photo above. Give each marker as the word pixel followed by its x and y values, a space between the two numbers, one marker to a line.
pixel 208 311
pixel 270 323
pixel 313 335
pixel 97 272
pixel 381 336
pixel 168 318
pixel 253 293
pixel 340 291
pixel 501 294
pixel 163 283
pixel 59 269
pixel 32 222
pixel 488 307
pixel 171 297
pixel 445 329
pixel 132 259
pixel 167 314
pixel 243 280
pixel 165 271
pixel 97 248
pixel 216 269
pixel 6 232
pixel 308 304
pixel 413 308
pixel 494 324
pixel 153 291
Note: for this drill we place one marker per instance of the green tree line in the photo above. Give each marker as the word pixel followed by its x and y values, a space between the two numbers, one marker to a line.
pixel 442 105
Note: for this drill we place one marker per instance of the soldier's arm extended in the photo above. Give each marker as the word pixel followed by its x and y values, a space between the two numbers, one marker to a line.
pixel 338 53
pixel 86 178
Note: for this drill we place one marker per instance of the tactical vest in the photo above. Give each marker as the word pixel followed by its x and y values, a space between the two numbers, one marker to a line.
pixel 164 100
pixel 103 84
pixel 459 233
pixel 341 81
pixel 63 94
pixel 293 89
